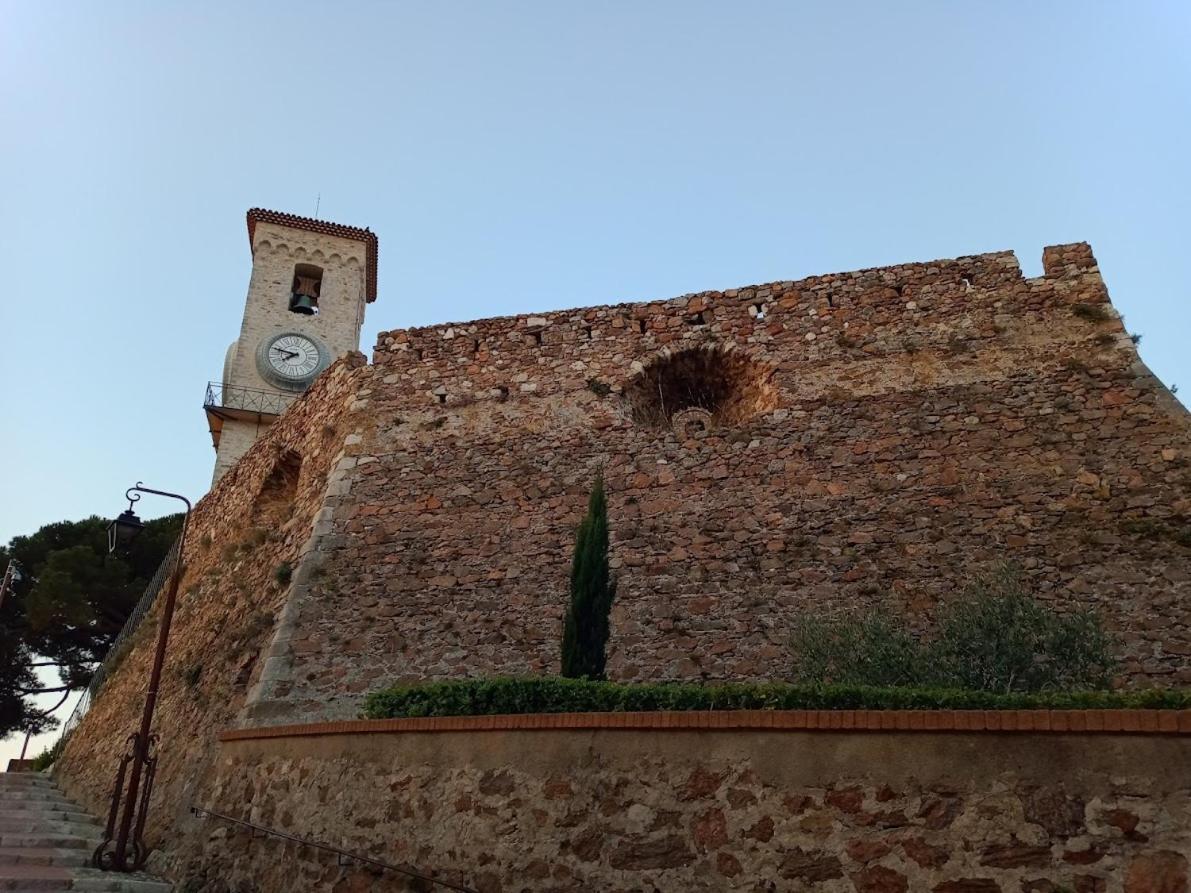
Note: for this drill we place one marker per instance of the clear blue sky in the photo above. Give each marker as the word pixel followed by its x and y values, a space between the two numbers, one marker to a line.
pixel 520 156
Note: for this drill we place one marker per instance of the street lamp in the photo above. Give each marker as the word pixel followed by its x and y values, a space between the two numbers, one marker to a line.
pixel 123 847
pixel 124 529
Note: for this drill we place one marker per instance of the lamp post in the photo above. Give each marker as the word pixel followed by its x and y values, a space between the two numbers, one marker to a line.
pixel 123 847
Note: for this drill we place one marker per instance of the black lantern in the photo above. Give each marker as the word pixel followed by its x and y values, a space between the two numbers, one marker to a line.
pixel 124 529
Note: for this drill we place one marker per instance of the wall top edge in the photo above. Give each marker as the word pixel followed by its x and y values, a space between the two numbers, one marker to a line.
pixel 1059 261
pixel 1079 722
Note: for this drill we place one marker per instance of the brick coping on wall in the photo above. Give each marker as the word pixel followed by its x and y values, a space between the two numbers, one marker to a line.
pixel 1149 722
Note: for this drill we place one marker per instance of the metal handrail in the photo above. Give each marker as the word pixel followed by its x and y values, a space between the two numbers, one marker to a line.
pixel 200 812
pixel 225 396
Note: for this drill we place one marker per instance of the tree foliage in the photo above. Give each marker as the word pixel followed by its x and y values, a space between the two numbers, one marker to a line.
pixel 868 649
pixel 67 607
pixel 992 637
pixel 996 637
pixel 16 678
pixel 585 629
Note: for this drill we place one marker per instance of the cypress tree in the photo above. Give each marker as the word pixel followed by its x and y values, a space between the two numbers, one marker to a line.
pixel 585 630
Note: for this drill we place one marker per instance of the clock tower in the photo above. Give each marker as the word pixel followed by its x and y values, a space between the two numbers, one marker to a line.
pixel 310 282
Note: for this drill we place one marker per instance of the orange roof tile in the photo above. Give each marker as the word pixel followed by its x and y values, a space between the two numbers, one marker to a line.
pixel 326 228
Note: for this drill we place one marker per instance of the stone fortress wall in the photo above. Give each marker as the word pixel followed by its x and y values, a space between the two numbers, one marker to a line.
pixel 875 437
pixel 255 521
pixel 872 437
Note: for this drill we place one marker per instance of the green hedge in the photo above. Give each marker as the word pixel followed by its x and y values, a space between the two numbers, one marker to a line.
pixel 485 697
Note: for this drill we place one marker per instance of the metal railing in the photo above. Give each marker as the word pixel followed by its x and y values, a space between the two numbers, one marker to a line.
pixel 117 651
pixel 225 396
pixel 344 857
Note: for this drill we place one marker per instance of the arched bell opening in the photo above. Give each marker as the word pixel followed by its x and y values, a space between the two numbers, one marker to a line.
pixel 306 289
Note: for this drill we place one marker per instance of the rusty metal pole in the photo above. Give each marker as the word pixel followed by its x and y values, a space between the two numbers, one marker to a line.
pixel 115 856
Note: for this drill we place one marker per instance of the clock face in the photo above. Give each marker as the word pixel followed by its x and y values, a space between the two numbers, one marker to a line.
pixel 291 359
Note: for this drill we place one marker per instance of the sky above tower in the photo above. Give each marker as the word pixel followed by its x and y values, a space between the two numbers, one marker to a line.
pixel 527 156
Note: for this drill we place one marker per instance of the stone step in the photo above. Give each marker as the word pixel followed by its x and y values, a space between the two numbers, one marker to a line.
pixel 32 795
pixel 46 842
pixel 37 839
pixel 37 784
pixel 35 824
pixel 137 882
pixel 48 877
pixel 40 805
pixel 36 787
pixel 35 877
pixel 65 814
pixel 42 856
pixel 24 780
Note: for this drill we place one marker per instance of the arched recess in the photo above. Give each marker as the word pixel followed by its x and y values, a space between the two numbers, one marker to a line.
pixel 701 387
pixel 275 501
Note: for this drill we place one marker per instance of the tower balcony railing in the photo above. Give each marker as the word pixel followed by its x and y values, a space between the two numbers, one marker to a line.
pixel 238 399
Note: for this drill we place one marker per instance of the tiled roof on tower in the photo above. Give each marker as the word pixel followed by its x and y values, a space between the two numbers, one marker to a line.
pixel 327 228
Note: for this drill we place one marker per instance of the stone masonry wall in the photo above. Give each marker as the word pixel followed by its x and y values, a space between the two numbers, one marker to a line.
pixel 235 439
pixel 256 520
pixel 876 436
pixel 883 435
pixel 655 811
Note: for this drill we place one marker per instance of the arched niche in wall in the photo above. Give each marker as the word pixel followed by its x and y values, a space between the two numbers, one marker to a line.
pixel 700 388
pixel 275 502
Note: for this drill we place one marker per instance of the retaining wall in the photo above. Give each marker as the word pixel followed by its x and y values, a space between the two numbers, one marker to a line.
pixel 712 801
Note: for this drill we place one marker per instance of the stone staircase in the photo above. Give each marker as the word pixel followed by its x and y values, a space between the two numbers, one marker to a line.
pixel 46 842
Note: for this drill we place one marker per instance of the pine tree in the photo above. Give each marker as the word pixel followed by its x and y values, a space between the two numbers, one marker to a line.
pixel 68 606
pixel 585 631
